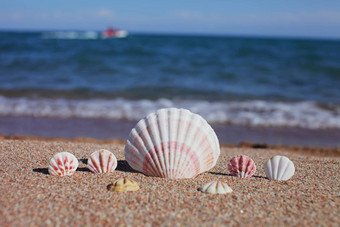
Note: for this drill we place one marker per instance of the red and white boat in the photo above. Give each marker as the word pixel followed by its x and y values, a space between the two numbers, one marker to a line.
pixel 114 33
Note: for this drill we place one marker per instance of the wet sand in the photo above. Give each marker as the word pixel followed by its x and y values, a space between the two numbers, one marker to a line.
pixel 29 196
pixel 120 129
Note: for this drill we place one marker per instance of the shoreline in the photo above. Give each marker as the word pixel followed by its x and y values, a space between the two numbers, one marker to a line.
pixel 302 150
pixel 120 129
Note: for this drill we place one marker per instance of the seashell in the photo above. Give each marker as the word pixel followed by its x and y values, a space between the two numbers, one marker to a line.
pixel 215 187
pixel 63 164
pixel 279 168
pixel 102 161
pixel 242 166
pixel 172 143
pixel 123 185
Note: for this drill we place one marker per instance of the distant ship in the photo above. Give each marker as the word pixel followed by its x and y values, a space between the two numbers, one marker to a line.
pixel 114 33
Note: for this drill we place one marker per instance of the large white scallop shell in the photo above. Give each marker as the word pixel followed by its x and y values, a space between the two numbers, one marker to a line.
pixel 172 143
pixel 279 168
pixel 63 164
pixel 102 161
pixel 215 187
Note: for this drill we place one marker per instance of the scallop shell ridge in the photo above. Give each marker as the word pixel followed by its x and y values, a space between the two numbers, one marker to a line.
pixel 279 168
pixel 63 164
pixel 242 166
pixel 172 143
pixel 215 187
pixel 102 161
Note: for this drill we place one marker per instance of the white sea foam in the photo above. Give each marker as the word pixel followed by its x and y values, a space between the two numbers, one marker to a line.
pixel 70 35
pixel 252 113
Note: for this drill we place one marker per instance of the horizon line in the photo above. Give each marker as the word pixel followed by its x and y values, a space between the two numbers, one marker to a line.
pixel 160 33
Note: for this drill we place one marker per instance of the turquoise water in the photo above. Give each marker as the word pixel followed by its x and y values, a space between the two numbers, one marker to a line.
pixel 228 80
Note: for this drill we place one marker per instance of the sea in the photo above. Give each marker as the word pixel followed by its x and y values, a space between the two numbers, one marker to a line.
pixel 258 89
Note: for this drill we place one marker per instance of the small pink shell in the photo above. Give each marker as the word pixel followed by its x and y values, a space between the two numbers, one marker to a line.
pixel 102 161
pixel 63 164
pixel 242 166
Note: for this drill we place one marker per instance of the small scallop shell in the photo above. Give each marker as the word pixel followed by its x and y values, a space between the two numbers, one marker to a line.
pixel 215 187
pixel 123 185
pixel 242 166
pixel 279 168
pixel 63 164
pixel 102 161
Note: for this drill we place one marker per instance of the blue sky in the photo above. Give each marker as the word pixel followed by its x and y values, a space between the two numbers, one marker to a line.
pixel 299 18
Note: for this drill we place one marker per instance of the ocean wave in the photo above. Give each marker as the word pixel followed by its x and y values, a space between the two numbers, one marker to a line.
pixel 304 114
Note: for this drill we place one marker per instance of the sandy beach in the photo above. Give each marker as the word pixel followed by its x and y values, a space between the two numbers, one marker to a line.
pixel 32 197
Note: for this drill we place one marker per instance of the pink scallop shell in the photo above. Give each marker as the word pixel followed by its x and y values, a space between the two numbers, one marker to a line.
pixel 172 143
pixel 63 164
pixel 102 161
pixel 242 166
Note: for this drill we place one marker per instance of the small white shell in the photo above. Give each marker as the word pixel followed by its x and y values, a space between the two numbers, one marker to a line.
pixel 215 187
pixel 279 168
pixel 102 161
pixel 63 164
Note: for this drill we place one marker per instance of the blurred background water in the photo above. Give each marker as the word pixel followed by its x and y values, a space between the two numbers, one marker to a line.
pixel 232 81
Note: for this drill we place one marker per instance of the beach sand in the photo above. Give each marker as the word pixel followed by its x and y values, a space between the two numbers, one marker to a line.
pixel 30 196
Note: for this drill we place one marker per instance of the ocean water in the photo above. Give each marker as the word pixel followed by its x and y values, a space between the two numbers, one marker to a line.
pixel 255 82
